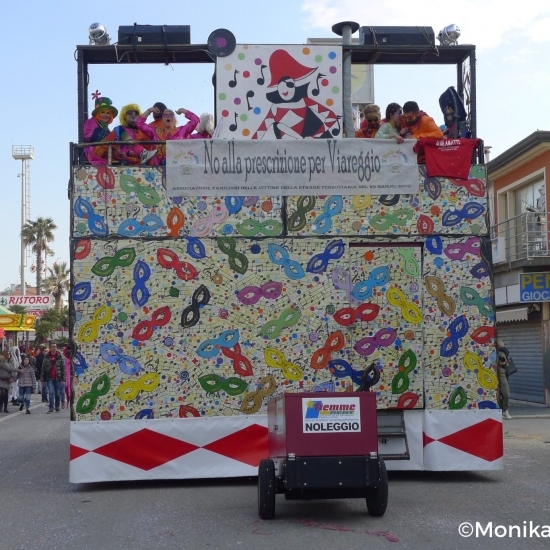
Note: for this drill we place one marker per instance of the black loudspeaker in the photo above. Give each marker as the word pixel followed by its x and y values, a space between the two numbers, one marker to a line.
pixel 221 43
pixel 158 35
pixel 396 36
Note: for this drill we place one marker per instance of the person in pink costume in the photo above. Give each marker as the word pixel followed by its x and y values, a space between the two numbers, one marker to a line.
pixel 128 131
pixel 205 129
pixel 96 129
pixel 169 131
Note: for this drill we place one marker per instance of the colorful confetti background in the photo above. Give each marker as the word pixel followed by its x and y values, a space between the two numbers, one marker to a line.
pixel 209 306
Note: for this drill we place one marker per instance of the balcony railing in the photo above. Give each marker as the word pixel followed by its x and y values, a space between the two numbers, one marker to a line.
pixel 78 158
pixel 524 237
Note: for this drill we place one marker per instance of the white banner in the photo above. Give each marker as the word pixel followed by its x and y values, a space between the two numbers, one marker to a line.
pixel 280 168
pixel 176 448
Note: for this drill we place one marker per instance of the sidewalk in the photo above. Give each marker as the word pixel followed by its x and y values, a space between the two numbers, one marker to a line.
pixel 532 410
pixel 36 402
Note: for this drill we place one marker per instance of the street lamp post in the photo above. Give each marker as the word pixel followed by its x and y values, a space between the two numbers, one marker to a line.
pixel 24 153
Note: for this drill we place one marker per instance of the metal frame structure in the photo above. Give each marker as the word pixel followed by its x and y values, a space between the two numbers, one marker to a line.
pixel 463 56
pixel 418 434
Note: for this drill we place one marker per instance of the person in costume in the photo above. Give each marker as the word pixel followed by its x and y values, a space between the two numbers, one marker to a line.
pixel 128 131
pixel 169 131
pixel 373 117
pixel 294 115
pixel 390 129
pixel 16 362
pixel 157 115
pixel 364 122
pixel 417 124
pixel 205 129
pixel 7 371
pixel 96 128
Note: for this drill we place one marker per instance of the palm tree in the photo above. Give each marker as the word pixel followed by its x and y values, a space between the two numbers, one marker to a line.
pixel 38 234
pixel 18 310
pixel 47 325
pixel 64 316
pixel 57 283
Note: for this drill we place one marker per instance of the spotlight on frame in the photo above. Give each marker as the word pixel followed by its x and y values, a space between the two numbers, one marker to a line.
pixel 98 35
pixel 449 35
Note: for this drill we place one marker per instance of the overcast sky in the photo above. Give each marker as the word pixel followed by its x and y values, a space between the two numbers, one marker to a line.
pixel 39 76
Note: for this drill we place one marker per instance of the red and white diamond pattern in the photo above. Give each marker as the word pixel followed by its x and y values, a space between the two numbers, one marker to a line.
pixel 186 448
pixel 463 440
pixel 167 449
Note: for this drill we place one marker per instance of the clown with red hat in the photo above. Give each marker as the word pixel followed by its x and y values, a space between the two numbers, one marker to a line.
pixel 293 114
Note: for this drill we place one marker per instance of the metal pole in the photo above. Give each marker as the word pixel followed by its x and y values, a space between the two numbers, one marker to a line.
pixel 459 83
pixel 82 90
pixel 23 208
pixel 348 112
pixel 24 153
pixel 345 29
pixel 473 92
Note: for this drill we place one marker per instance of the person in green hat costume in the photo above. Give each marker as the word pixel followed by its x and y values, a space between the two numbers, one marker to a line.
pixel 96 128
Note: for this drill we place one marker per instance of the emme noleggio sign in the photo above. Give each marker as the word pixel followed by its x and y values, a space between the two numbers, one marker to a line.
pixel 534 287
pixel 335 414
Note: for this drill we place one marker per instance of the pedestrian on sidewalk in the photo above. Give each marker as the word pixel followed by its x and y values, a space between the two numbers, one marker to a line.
pixel 32 361
pixel 53 373
pixel 42 386
pixel 502 371
pixel 7 374
pixel 15 361
pixel 27 381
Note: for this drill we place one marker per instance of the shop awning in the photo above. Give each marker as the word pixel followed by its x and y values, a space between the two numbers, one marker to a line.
pixel 15 321
pixel 512 314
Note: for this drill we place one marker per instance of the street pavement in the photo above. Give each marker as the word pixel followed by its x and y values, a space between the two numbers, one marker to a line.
pixel 40 509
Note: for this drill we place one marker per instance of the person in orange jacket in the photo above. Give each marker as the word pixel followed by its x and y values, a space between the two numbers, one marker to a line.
pixel 417 123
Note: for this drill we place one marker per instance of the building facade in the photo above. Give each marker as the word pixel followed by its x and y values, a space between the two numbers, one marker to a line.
pixel 518 188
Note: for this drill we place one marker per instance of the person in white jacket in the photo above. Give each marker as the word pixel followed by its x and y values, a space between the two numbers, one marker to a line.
pixel 16 359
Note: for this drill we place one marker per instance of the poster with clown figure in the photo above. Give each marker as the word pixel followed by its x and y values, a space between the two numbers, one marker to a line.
pixel 280 92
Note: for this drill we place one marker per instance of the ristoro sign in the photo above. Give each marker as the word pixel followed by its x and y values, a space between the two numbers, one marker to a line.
pixel 331 415
pixel 45 301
